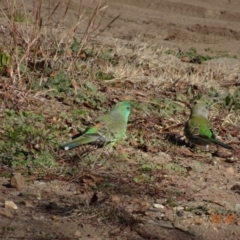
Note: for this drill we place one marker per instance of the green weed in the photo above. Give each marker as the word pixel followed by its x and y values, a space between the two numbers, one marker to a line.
pixel 177 168
pixel 18 16
pixel 192 54
pixel 199 210
pixel 104 76
pixel 143 178
pixel 26 141
pixel 5 61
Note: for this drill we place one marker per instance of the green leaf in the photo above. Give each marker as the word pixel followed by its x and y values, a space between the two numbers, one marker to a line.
pixel 106 55
pixel 104 76
pixel 75 45
pixel 90 87
pixel 146 167
pixel 142 178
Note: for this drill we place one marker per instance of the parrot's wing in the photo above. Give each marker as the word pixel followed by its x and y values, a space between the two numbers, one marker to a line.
pixel 89 136
pixel 200 127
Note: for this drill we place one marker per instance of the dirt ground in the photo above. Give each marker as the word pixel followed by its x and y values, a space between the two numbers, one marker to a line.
pixel 180 24
pixel 208 27
pixel 55 209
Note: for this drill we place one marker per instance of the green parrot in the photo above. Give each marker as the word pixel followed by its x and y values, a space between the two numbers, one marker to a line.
pixel 198 129
pixel 108 129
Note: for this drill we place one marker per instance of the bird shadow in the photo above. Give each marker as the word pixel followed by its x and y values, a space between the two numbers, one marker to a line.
pixel 177 139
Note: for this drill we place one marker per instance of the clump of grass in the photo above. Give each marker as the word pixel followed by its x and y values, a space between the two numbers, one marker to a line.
pixel 27 139
pixel 18 16
pixel 5 62
pixel 191 54
pixel 43 63
pixel 194 57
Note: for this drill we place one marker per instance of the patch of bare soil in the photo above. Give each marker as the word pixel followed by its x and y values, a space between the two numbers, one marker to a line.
pixel 182 24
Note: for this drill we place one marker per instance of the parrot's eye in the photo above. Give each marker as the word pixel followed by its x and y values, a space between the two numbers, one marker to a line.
pixel 128 108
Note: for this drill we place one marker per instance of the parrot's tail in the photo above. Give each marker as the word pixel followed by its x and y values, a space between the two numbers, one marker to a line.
pixel 69 145
pixel 83 149
pixel 222 144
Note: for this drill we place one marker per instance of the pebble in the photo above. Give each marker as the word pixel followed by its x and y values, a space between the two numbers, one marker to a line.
pixel 10 205
pixel 17 181
pixel 115 199
pixel 183 225
pixel 53 217
pixel 198 221
pixel 165 224
pixel 77 233
pixel 180 213
pixel 237 208
pixel 230 170
pixel 179 208
pixel 28 203
pixel 156 205
pixel 151 221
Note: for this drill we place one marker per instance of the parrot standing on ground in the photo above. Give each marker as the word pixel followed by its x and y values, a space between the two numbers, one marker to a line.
pixel 109 128
pixel 198 129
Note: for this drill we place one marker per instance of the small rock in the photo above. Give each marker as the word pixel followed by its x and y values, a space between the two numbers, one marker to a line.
pixel 28 203
pixel 116 199
pixel 151 221
pixel 10 205
pixel 230 170
pixel 77 233
pixel 17 181
pixel 198 221
pixel 180 213
pixel 183 225
pixel 237 208
pixel 179 208
pixel 53 217
pixel 157 205
pixel 215 161
pixel 6 213
pixel 165 224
